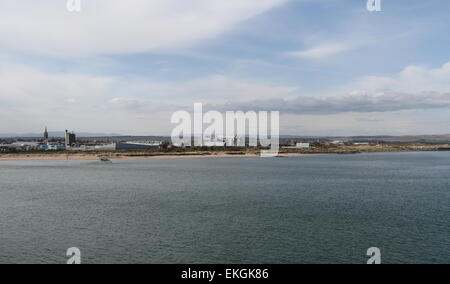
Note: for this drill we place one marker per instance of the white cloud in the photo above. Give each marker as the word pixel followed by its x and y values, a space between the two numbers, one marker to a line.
pixel 413 79
pixel 27 86
pixel 21 86
pixel 33 98
pixel 117 26
pixel 322 51
pixel 356 124
pixel 414 88
pixel 218 89
pixel 357 103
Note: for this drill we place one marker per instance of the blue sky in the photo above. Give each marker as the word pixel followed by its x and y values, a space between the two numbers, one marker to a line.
pixel 330 66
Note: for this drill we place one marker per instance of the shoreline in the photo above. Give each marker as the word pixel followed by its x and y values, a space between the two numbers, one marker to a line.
pixel 78 157
pixel 164 156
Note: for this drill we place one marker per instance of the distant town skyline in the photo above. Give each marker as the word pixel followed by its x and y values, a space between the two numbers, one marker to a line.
pixel 331 68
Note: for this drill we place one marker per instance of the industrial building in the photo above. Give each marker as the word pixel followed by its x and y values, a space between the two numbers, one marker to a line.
pixel 69 139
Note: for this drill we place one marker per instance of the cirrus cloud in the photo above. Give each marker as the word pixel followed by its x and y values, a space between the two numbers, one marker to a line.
pixel 321 51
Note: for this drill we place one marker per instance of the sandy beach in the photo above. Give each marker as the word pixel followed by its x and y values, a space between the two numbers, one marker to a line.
pixel 92 157
pixel 202 154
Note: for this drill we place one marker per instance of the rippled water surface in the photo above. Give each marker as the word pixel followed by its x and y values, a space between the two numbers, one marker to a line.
pixel 328 209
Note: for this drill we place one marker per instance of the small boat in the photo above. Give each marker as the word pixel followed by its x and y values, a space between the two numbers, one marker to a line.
pixel 105 160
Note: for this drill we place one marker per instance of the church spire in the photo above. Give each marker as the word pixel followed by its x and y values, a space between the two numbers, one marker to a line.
pixel 46 134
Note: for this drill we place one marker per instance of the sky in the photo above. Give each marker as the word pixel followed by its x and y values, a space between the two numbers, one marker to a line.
pixel 331 67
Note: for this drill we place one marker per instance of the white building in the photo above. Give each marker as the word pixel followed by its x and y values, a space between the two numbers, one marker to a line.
pixel 303 145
